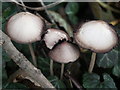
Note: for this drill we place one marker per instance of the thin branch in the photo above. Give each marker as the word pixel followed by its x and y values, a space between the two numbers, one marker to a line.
pixel 108 7
pixel 23 5
pixel 23 62
pixel 74 81
pixel 39 8
pixel 16 74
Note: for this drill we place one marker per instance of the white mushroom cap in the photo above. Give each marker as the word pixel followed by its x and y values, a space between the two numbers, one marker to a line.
pixel 65 53
pixel 25 27
pixel 53 36
pixel 96 35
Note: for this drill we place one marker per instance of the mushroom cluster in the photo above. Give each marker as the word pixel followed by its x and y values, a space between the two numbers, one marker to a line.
pixel 63 52
pixel 95 35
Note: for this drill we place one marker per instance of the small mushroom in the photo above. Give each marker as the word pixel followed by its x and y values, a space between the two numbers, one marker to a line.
pixel 64 53
pixel 53 36
pixel 97 36
pixel 25 27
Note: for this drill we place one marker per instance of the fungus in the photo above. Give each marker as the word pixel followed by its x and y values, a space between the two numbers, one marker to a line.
pixel 25 28
pixel 97 36
pixel 64 53
pixel 53 36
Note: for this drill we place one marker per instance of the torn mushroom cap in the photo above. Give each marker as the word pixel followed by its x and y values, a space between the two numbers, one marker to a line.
pixel 53 36
pixel 96 35
pixel 65 53
pixel 25 27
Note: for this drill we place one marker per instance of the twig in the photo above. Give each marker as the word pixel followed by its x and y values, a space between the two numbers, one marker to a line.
pixel 39 8
pixel 23 5
pixel 23 62
pixel 74 81
pixel 32 54
pixel 108 7
pixel 50 17
pixel 16 74
pixel 92 62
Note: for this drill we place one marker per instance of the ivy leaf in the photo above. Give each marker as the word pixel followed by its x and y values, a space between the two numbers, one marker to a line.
pixel 8 10
pixel 99 13
pixel 44 65
pixel 93 81
pixel 72 8
pixel 58 18
pixel 116 68
pixel 107 60
pixel 90 80
pixel 56 82
pixel 14 86
pixel 74 19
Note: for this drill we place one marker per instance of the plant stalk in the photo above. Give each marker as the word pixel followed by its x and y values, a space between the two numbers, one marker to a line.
pixel 92 62
pixel 62 70
pixel 33 54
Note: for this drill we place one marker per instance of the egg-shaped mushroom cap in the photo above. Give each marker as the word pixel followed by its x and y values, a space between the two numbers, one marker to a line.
pixel 97 36
pixel 65 52
pixel 25 27
pixel 53 36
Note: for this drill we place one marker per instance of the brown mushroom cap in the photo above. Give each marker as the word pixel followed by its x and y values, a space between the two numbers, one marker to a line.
pixel 65 53
pixel 25 27
pixel 53 36
pixel 96 35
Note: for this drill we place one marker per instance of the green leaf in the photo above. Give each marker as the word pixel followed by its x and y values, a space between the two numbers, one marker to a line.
pixel 58 18
pixel 44 65
pixel 116 68
pixel 107 60
pixel 93 81
pixel 74 19
pixel 8 10
pixel 15 86
pixel 90 80
pixel 72 8
pixel 56 82
pixel 99 13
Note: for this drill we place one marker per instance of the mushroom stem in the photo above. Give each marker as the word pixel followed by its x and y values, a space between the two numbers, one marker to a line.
pixel 32 54
pixel 62 71
pixel 51 67
pixel 92 62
